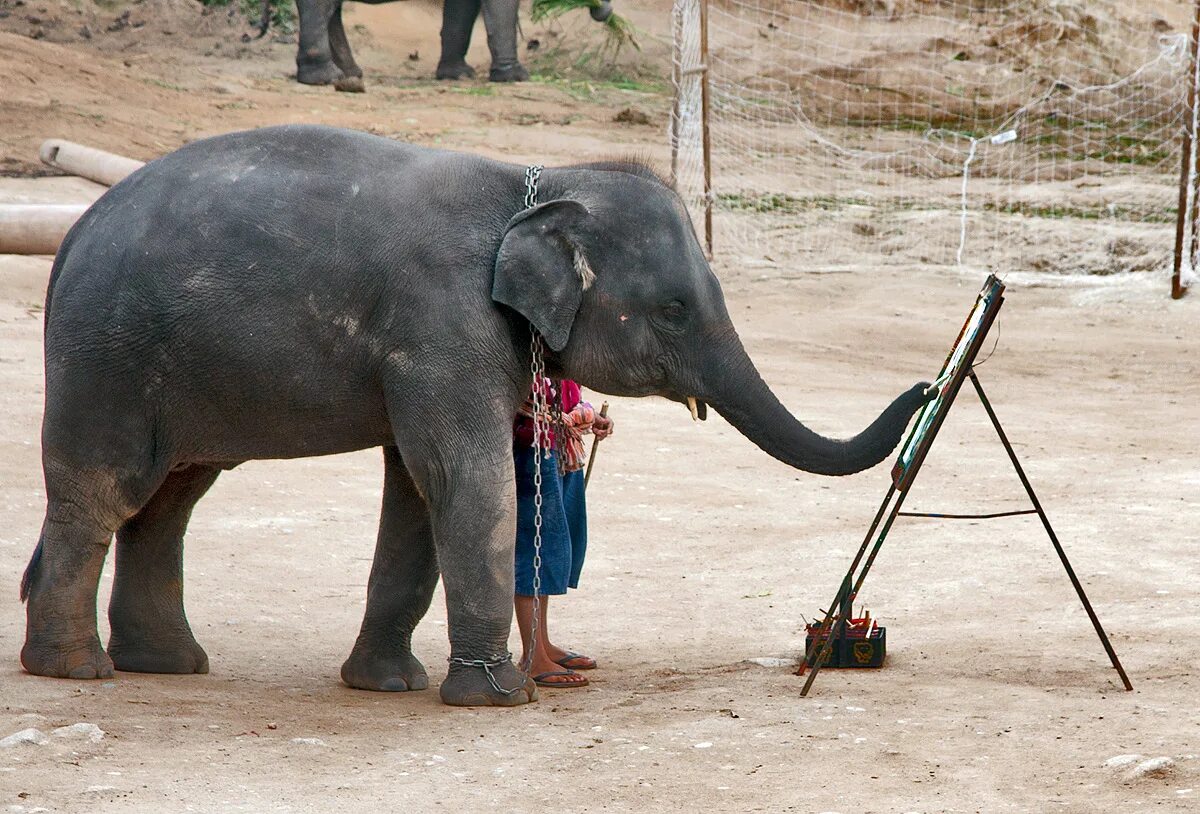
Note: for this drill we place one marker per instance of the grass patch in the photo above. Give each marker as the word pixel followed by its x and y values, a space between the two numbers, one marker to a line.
pixel 474 90
pixel 783 203
pixel 780 203
pixel 1114 213
pixel 150 80
pixel 588 89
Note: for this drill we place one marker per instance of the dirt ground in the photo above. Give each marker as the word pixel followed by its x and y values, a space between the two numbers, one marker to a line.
pixel 706 554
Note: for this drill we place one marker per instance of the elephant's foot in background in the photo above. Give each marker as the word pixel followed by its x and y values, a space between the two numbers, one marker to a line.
pixel 317 71
pixel 383 668
pixel 454 69
pixel 327 73
pixel 350 84
pixel 500 686
pixel 512 73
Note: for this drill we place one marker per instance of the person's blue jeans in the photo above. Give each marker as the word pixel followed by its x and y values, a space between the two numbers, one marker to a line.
pixel 564 524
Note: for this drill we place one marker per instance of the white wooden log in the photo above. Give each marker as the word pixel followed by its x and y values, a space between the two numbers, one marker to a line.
pixel 87 162
pixel 36 228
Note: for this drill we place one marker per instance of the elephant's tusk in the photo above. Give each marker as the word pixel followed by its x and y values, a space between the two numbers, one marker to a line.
pixel 692 408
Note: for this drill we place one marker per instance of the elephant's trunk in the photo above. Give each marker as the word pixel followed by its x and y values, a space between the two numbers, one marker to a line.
pixel 737 392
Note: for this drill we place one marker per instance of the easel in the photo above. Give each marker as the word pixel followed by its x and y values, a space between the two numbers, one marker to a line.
pixel 958 368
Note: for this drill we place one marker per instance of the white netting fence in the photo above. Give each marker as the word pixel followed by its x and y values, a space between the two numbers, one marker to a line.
pixel 1000 134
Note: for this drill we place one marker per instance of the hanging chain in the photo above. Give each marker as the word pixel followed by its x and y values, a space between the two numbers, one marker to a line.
pixel 537 367
pixel 541 432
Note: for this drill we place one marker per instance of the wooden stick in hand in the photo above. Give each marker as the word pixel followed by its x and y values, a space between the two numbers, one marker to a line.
pixel 587 475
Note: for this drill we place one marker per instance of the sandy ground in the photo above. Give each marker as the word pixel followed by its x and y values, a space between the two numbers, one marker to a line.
pixel 705 552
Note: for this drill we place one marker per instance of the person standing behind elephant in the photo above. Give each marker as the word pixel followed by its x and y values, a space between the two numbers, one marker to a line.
pixel 563 525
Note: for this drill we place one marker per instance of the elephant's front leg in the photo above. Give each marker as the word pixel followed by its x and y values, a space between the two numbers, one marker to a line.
pixel 464 467
pixel 403 577
pixel 314 57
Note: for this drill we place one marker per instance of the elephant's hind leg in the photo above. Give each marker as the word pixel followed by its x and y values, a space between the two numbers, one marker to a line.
pixel 343 57
pixel 60 586
pixel 403 577
pixel 150 632
pixel 84 505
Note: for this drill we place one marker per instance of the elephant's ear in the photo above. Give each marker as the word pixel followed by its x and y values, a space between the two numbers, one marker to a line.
pixel 540 269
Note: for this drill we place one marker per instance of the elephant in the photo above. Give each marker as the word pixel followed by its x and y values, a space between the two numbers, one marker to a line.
pixel 324 55
pixel 305 290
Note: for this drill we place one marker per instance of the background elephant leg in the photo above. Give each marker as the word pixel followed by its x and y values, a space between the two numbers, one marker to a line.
pixel 343 57
pixel 458 20
pixel 314 58
pixel 150 632
pixel 500 18
pixel 403 577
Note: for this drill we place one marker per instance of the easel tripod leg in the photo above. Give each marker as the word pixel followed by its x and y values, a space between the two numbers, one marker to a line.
pixel 835 619
pixel 1062 555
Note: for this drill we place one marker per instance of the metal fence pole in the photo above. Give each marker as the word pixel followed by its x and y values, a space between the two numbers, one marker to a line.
pixel 677 84
pixel 704 124
pixel 1186 216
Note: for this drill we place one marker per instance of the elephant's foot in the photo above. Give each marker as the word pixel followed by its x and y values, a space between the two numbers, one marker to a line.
pixel 374 668
pixel 500 686
pixel 512 73
pixel 80 661
pixel 455 69
pixel 350 84
pixel 178 655
pixel 318 72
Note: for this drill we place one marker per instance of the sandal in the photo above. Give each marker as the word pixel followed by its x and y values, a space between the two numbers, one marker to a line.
pixel 540 679
pixel 588 663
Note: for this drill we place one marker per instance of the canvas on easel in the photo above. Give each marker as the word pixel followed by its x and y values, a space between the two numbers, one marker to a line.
pixel 958 367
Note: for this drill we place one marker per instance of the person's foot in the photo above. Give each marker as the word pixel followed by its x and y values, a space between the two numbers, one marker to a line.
pixel 545 673
pixel 560 679
pixel 570 659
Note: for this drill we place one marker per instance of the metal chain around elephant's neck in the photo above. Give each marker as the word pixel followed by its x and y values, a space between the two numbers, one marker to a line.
pixel 537 367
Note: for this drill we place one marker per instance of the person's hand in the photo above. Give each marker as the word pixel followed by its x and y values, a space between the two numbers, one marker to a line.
pixel 603 427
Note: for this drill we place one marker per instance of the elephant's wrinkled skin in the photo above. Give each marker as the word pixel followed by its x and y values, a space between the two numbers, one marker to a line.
pixel 301 291
pixel 324 56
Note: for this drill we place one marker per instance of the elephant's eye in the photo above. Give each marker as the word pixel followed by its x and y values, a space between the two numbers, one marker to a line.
pixel 674 311
pixel 672 316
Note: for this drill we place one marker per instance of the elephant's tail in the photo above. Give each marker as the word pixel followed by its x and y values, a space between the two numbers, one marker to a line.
pixel 31 570
pixel 264 22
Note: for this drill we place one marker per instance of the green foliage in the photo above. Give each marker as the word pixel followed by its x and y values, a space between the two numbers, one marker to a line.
pixel 283 13
pixel 619 30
